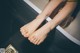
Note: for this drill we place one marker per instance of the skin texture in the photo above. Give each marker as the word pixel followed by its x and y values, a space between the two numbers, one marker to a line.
pixel 37 36
pixel 27 30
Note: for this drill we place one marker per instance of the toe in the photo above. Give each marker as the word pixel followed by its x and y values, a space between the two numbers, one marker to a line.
pixel 31 40
pixel 31 37
pixel 27 34
pixel 37 41
pixel 40 41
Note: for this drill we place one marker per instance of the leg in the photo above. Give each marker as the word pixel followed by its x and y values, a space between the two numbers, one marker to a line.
pixel 39 35
pixel 29 28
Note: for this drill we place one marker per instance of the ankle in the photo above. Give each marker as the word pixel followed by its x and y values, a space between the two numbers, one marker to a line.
pixel 41 16
pixel 52 25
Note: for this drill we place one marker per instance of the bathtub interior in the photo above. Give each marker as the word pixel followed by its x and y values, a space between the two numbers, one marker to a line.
pixel 74 27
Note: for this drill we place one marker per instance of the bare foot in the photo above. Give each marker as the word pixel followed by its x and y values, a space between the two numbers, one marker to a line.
pixel 39 36
pixel 29 28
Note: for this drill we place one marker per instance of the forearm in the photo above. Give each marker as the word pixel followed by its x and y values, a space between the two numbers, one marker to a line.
pixel 66 10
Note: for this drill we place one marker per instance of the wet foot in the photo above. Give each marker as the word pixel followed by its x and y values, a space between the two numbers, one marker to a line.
pixel 39 35
pixel 29 28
